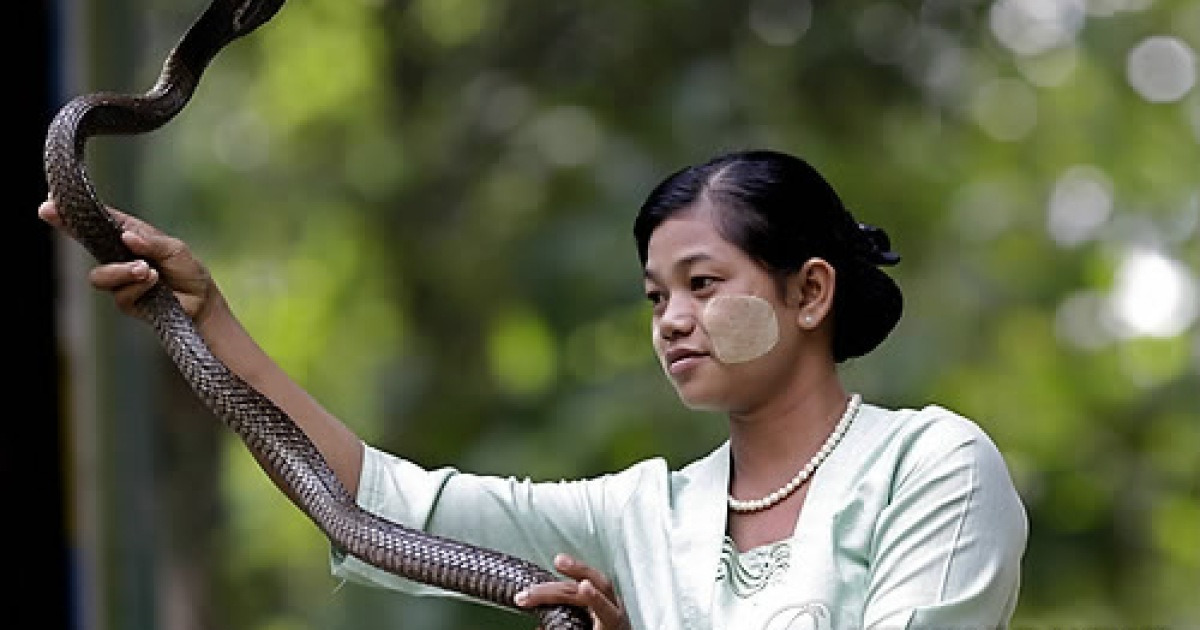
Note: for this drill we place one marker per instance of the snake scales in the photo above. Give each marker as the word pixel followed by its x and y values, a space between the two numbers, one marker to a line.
pixel 267 431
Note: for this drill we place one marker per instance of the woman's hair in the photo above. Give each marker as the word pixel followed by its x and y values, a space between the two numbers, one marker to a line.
pixel 780 211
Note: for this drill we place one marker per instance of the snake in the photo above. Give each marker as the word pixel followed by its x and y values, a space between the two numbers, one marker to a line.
pixel 279 444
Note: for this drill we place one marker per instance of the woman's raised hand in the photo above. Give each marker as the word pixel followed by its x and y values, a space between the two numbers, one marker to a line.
pixel 158 254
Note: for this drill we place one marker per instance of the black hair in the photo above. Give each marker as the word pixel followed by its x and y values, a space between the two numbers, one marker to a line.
pixel 781 212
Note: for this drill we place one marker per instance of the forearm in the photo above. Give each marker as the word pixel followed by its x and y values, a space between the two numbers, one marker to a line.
pixel 233 345
pixel 167 258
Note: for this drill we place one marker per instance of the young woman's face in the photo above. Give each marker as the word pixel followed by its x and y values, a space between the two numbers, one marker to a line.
pixel 721 330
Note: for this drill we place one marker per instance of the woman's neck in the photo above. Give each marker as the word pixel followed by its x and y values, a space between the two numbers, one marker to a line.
pixel 770 443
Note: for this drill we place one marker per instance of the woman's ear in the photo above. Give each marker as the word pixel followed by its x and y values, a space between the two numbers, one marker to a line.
pixel 810 290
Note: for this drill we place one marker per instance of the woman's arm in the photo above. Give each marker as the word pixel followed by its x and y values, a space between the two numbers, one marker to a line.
pixel 948 547
pixel 229 341
pixel 490 510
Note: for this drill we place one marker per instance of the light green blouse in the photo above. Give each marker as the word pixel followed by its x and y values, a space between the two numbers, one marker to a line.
pixel 913 521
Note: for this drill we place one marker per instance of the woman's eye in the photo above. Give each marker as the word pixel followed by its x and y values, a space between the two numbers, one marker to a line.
pixel 654 297
pixel 700 283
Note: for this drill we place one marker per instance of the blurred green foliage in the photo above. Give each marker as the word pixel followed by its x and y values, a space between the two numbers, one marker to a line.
pixel 423 210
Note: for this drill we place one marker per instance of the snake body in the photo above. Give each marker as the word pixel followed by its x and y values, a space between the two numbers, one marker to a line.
pixel 274 438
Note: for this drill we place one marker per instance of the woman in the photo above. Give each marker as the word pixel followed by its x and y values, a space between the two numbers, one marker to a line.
pixel 820 511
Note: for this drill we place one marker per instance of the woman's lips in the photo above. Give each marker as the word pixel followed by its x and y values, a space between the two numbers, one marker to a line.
pixel 683 360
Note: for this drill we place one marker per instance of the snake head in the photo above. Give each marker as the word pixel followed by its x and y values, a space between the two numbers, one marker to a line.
pixel 251 14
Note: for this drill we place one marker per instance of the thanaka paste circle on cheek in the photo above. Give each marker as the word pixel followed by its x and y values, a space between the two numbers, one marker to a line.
pixel 740 327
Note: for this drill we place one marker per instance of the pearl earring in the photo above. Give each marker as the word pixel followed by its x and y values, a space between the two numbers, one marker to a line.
pixel 808 319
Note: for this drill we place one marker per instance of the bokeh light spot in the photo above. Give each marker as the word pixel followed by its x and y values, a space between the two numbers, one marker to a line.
pixel 1079 321
pixel 1050 69
pixel 1031 27
pixel 1161 69
pixel 780 22
pixel 1080 204
pixel 1006 109
pixel 1153 295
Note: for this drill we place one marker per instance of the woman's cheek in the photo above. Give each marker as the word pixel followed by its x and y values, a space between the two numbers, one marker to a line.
pixel 740 328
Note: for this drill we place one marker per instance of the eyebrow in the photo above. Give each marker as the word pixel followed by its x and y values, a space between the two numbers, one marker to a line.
pixel 684 262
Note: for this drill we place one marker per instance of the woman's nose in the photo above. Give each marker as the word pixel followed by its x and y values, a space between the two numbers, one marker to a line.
pixel 678 320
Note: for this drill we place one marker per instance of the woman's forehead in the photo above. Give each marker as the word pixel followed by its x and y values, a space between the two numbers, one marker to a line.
pixel 687 239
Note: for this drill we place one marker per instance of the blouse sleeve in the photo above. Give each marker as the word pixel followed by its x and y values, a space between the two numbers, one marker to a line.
pixel 530 520
pixel 948 546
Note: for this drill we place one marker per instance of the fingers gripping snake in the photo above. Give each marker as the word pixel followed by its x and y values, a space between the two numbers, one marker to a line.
pixel 276 441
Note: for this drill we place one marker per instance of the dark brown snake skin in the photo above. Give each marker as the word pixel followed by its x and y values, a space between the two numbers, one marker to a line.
pixel 267 431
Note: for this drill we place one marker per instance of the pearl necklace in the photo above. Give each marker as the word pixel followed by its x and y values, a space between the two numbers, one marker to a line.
pixel 769 501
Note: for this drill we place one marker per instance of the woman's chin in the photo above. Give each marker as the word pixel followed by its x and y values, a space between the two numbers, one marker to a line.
pixel 701 401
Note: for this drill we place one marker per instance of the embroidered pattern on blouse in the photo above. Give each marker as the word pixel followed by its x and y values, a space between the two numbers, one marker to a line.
pixel 810 616
pixel 752 571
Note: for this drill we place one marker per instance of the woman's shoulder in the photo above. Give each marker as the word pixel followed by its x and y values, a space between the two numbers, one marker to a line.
pixel 932 426
pixel 933 436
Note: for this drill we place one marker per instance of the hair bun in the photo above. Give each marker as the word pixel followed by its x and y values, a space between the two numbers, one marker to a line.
pixel 875 247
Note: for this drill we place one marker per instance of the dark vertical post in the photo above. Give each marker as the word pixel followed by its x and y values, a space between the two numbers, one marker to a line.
pixel 32 459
